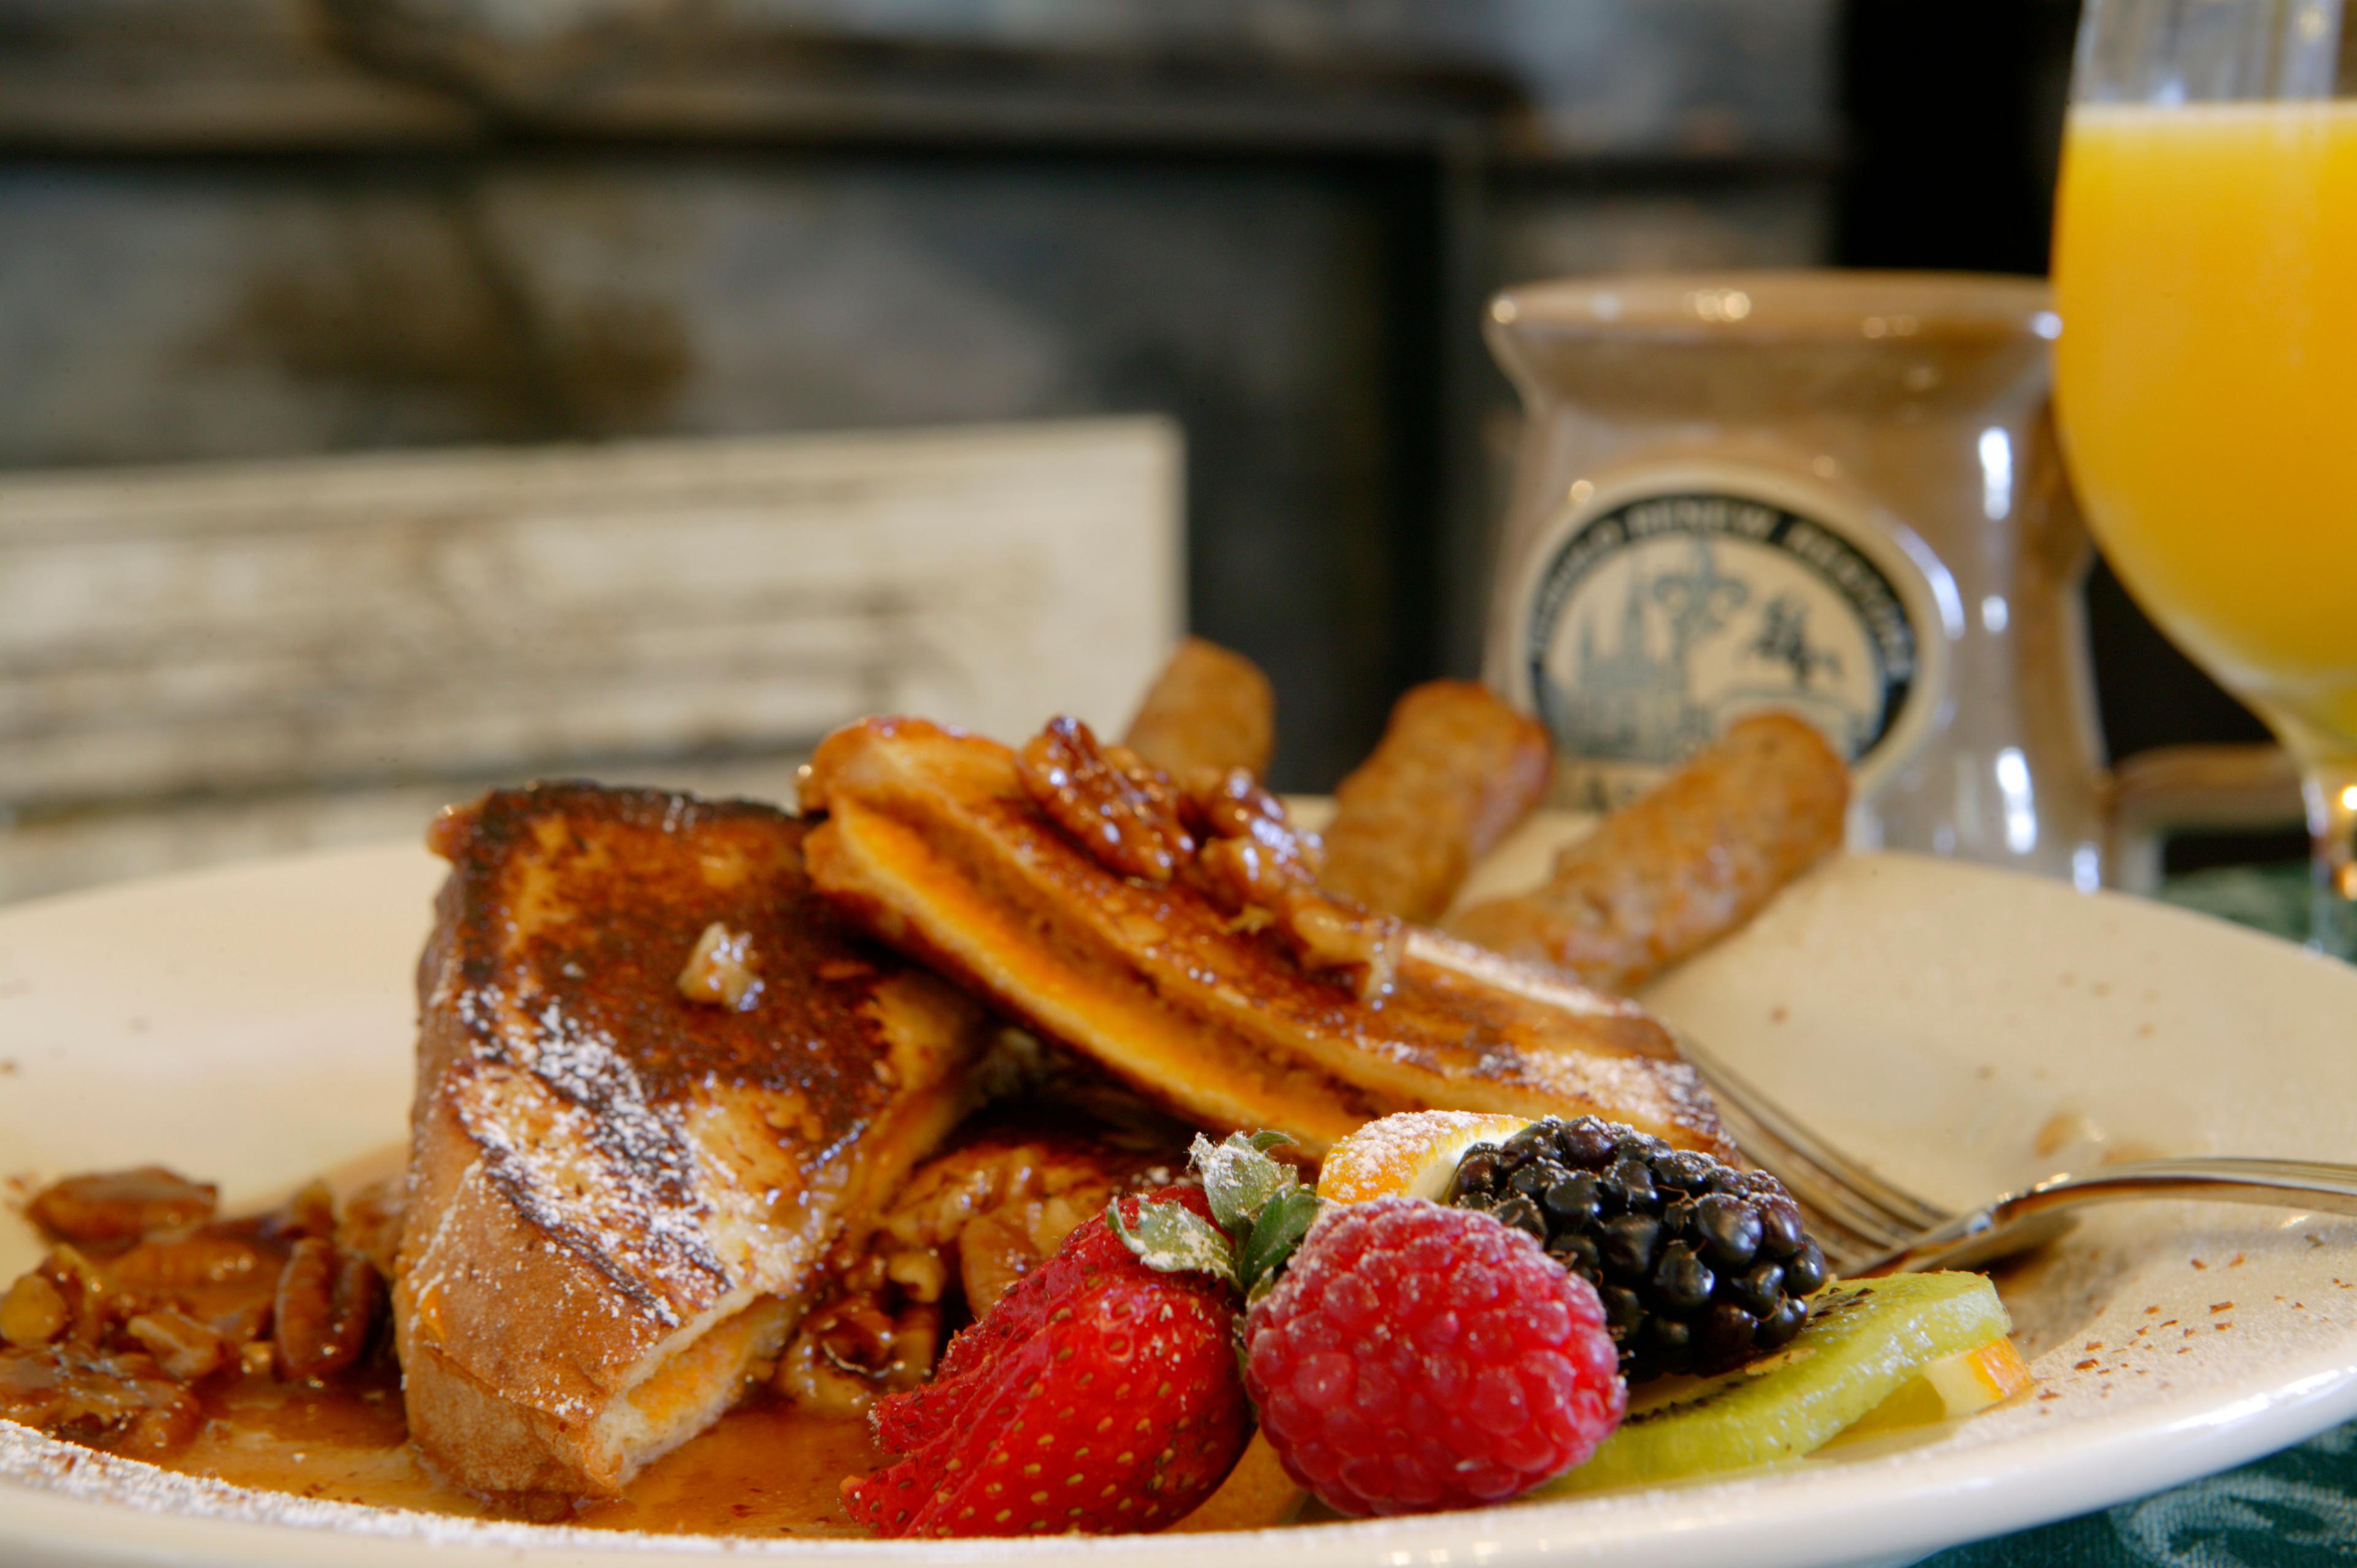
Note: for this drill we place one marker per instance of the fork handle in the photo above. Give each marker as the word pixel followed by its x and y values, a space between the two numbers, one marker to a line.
pixel 2281 1184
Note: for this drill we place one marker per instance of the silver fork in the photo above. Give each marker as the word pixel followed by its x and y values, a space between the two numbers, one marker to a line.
pixel 1854 1214
pixel 1868 1226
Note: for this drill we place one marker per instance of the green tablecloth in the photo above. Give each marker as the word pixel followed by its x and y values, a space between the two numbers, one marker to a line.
pixel 2288 1510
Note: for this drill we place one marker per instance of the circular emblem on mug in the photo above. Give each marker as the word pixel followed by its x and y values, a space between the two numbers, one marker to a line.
pixel 1656 621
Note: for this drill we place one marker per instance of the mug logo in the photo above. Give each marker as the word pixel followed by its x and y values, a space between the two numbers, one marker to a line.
pixel 1659 622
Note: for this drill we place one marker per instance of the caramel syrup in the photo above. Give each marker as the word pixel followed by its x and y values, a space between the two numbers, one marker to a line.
pixel 768 1468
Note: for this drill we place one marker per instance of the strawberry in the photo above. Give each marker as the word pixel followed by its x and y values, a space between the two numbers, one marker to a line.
pixel 1099 1395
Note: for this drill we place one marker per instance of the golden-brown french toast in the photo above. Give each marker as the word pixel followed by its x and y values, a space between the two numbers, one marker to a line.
pixel 932 843
pixel 618 1196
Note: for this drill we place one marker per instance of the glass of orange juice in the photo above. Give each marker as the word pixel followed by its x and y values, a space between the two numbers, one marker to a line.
pixel 2205 268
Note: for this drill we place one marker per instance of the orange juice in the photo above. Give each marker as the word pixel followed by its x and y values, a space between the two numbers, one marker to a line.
pixel 2206 272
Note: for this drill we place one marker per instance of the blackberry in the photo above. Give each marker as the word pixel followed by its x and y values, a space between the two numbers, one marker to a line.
pixel 1700 1266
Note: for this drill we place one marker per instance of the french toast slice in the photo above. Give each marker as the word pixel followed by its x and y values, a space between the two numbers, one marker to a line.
pixel 622 1199
pixel 931 843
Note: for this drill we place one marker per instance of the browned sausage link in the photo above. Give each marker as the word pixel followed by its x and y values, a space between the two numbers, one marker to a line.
pixel 1683 866
pixel 121 1206
pixel 328 1303
pixel 1455 772
pixel 1209 708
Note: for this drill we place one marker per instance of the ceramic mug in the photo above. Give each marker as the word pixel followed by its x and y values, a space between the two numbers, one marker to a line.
pixel 1836 493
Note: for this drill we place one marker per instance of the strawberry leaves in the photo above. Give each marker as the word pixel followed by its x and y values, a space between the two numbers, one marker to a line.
pixel 1172 1240
pixel 1260 1212
pixel 1240 1178
pixel 1283 1221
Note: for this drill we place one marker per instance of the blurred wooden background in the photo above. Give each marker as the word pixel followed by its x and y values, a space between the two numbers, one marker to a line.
pixel 200 664
pixel 265 228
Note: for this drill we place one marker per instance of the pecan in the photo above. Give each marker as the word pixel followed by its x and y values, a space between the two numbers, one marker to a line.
pixel 372 1223
pixel 1121 810
pixel 186 1349
pixel 82 1289
pixel 1225 805
pixel 247 1326
pixel 121 1206
pixel 34 1312
pixel 851 1350
pixel 311 1211
pixel 994 1250
pixel 918 1272
pixel 719 972
pixel 328 1304
pixel 1357 946
pixel 1263 872
pixel 180 1263
pixel 122 1402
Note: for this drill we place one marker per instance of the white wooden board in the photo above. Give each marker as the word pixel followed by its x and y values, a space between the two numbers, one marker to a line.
pixel 229 654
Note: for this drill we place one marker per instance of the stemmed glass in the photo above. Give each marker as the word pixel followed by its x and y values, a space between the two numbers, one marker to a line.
pixel 2206 378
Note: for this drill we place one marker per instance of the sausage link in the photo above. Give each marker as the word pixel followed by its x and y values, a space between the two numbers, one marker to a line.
pixel 1681 867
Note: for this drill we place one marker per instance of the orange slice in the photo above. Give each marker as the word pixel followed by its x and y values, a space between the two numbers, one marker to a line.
pixel 1954 1386
pixel 1411 1155
pixel 1256 1495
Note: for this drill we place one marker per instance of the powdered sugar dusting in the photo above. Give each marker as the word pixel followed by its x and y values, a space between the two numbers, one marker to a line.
pixel 569 1134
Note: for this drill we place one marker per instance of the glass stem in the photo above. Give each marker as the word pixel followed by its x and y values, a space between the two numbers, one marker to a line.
pixel 2330 785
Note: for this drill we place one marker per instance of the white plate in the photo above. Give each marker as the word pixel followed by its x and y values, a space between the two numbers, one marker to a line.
pixel 255 1025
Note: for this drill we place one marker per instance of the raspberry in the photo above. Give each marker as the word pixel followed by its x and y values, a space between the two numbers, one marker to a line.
pixel 1416 1357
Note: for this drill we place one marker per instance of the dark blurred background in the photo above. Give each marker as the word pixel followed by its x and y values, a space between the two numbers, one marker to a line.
pixel 257 228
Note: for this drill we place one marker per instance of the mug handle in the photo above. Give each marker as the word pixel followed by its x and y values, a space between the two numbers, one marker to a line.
pixel 2172 788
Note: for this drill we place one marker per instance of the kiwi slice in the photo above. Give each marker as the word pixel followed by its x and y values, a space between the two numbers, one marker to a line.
pixel 1864 1339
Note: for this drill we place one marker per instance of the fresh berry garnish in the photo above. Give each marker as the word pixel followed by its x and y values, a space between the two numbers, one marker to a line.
pixel 1414 1357
pixel 1099 1395
pixel 1701 1267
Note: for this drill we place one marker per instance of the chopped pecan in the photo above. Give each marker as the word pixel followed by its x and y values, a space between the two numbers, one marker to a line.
pixel 82 1289
pixel 180 1263
pixel 247 1327
pixel 1264 871
pixel 122 1402
pixel 720 971
pixel 852 1349
pixel 1359 946
pixel 121 1206
pixel 34 1312
pixel 1121 810
pixel 984 1215
pixel 310 1211
pixel 999 1247
pixel 372 1223
pixel 1224 804
pixel 186 1349
pixel 1261 872
pixel 327 1304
